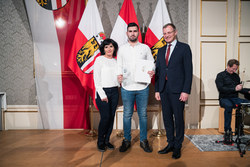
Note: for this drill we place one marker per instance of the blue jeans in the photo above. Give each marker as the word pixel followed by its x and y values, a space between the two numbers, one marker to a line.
pixel 128 99
pixel 229 104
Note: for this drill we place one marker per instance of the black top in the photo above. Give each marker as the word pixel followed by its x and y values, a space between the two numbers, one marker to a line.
pixel 226 84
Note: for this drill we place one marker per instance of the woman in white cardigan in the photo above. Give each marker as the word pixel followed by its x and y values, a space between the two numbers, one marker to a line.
pixel 107 96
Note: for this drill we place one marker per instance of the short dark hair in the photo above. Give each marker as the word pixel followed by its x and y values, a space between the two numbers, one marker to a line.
pixel 231 62
pixel 108 41
pixel 133 24
pixel 170 24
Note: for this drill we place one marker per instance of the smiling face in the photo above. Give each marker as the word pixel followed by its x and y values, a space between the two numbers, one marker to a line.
pixel 169 34
pixel 133 34
pixel 232 69
pixel 109 50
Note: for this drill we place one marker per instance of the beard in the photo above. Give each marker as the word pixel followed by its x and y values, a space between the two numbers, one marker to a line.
pixel 133 38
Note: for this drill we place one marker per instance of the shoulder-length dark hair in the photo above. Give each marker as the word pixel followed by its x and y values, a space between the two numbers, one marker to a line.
pixel 108 41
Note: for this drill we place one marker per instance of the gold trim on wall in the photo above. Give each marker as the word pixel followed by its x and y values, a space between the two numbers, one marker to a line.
pixel 239 54
pixel 201 61
pixel 239 17
pixel 201 35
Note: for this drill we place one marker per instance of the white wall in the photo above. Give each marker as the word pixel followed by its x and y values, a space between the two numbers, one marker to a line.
pixel 218 31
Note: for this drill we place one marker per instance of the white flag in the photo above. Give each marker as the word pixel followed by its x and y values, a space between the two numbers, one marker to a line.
pixel 154 37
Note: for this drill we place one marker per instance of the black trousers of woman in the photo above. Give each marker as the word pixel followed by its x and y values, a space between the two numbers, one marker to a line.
pixel 107 112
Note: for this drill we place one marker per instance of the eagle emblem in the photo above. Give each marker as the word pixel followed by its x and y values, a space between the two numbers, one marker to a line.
pixel 87 54
pixel 157 46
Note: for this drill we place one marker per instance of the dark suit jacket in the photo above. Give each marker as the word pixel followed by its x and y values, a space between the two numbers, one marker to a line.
pixel 179 71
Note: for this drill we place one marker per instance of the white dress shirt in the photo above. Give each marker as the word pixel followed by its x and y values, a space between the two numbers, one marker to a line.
pixel 105 75
pixel 127 60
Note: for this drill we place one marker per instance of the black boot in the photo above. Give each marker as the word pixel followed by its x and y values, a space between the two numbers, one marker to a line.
pixel 228 138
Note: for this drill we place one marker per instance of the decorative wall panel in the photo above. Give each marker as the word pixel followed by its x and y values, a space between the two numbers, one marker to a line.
pixel 209 117
pixel 213 18
pixel 213 59
pixel 244 68
pixel 244 21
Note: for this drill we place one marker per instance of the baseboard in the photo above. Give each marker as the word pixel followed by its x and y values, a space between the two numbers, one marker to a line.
pixel 22 108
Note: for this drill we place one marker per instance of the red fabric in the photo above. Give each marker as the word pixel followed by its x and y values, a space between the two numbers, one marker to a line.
pixel 127 13
pixel 59 3
pixel 75 97
pixel 80 40
pixel 86 80
pixel 150 38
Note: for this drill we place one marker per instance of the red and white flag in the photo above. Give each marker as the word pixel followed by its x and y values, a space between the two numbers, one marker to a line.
pixel 154 37
pixel 62 101
pixel 85 49
pixel 52 4
pixel 127 15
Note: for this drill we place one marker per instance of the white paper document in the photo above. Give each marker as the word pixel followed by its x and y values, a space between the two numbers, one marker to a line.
pixel 141 71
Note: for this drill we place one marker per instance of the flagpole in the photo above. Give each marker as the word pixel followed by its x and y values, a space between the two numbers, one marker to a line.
pixel 92 132
pixel 159 133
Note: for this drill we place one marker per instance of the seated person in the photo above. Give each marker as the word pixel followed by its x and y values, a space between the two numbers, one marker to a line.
pixel 229 85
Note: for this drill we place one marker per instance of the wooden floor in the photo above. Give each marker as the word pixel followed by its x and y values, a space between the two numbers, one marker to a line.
pixel 32 148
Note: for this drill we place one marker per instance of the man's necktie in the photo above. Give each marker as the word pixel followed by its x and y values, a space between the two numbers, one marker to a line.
pixel 168 53
pixel 167 56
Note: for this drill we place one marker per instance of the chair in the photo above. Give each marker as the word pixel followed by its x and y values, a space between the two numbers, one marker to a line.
pixel 221 120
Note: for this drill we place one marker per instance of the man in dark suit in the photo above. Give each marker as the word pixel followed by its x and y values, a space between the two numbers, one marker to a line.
pixel 173 79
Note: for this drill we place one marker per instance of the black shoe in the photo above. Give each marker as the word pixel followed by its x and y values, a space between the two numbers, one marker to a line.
pixel 125 145
pixel 228 139
pixel 110 146
pixel 145 146
pixel 101 147
pixel 166 150
pixel 176 153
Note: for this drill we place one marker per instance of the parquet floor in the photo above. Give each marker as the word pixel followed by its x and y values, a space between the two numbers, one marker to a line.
pixel 63 148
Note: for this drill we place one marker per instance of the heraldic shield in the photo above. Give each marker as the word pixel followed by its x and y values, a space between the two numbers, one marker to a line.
pixel 89 52
pixel 52 4
pixel 157 46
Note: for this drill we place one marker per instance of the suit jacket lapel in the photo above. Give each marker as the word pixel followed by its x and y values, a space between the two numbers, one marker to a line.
pixel 164 53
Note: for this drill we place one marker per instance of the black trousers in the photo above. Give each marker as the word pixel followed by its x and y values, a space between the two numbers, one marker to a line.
pixel 173 117
pixel 107 112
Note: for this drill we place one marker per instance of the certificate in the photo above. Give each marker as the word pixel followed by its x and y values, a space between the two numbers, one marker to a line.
pixel 141 71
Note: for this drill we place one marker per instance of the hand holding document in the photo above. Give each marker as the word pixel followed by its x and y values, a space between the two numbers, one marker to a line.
pixel 141 71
